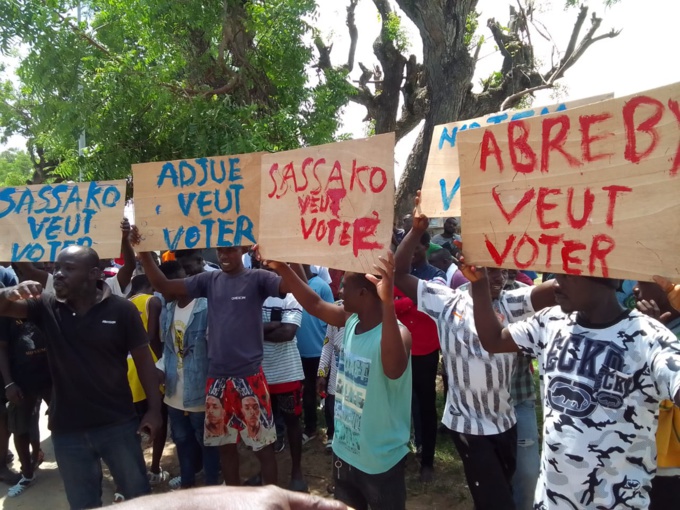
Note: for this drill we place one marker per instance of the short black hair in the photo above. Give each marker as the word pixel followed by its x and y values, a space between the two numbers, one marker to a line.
pixel 425 238
pixel 138 283
pixel 363 282
pixel 442 252
pixel 180 254
pixel 171 269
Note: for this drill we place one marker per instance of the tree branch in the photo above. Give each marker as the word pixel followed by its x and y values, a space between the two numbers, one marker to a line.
pixel 353 34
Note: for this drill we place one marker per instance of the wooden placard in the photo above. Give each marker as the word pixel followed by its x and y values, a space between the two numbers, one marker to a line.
pixel 331 205
pixel 593 191
pixel 197 203
pixel 37 222
pixel 441 184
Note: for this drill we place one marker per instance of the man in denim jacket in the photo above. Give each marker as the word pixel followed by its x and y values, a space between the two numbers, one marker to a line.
pixel 184 328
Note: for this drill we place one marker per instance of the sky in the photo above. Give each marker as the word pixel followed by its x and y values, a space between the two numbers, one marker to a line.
pixel 640 58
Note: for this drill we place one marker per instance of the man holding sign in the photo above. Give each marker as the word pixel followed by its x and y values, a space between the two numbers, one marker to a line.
pixel 605 370
pixel 235 351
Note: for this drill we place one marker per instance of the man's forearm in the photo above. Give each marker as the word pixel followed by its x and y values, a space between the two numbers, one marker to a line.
pixel 149 379
pixel 488 326
pixel 394 354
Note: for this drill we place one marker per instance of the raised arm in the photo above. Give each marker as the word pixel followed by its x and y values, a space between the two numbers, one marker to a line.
pixel 543 295
pixel 129 264
pixel 158 280
pixel 308 299
pixel 493 336
pixel 405 281
pixel 13 299
pixel 395 342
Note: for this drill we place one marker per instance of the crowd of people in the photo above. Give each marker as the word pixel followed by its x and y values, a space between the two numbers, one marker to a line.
pixel 242 350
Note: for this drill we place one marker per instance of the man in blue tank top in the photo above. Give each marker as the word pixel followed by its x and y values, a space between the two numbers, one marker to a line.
pixel 373 392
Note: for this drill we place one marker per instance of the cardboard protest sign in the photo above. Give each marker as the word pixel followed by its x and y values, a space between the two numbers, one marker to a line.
pixel 331 205
pixel 37 222
pixel 592 191
pixel 197 203
pixel 441 185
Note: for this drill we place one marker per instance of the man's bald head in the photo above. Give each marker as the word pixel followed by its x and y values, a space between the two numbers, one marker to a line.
pixel 81 255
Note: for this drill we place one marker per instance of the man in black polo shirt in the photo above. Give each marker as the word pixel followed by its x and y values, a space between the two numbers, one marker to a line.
pixel 89 333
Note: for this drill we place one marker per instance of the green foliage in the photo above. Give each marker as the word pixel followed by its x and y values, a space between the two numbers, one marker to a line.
pixel 153 80
pixel 16 167
pixel 395 32
pixel 471 25
pixel 493 81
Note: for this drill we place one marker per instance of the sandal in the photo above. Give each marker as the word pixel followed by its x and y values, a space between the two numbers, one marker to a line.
pixel 118 498
pixel 19 488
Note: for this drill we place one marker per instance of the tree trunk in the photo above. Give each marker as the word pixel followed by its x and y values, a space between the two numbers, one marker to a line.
pixel 449 69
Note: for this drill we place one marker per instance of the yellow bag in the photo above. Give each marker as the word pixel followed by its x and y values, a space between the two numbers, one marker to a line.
pixel 138 393
pixel 668 436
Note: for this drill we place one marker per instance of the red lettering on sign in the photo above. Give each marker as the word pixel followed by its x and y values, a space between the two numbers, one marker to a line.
pixel 272 170
pixel 509 216
pixel 499 258
pixel 336 175
pixel 556 143
pixel 648 125
pixel 588 201
pixel 520 144
pixel 614 191
pixel 602 246
pixel 568 248
pixel 306 232
pixel 363 229
pixel 526 238
pixel 490 148
pixel 549 242
pixel 673 107
pixel 355 175
pixel 542 206
pixel 587 140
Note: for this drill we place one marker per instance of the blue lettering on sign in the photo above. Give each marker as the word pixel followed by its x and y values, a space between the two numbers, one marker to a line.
pixel 447 197
pixel 57 216
pixel 448 140
pixel 217 233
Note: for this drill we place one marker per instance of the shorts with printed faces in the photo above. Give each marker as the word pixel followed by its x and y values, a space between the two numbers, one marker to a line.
pixel 287 398
pixel 239 409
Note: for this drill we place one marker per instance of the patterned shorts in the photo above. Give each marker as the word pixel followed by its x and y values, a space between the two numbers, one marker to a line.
pixel 287 398
pixel 239 409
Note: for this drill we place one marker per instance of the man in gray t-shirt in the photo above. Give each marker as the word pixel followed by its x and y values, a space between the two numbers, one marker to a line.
pixel 235 350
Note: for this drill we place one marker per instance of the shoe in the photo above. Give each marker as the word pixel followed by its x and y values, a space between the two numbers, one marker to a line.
pixel 306 438
pixel 157 478
pixel 118 498
pixel 18 489
pixel 426 474
pixel 175 483
pixel 296 485
pixel 329 445
pixel 279 445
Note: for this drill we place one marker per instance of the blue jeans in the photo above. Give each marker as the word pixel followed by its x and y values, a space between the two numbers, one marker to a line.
pixel 79 456
pixel 187 433
pixel 528 459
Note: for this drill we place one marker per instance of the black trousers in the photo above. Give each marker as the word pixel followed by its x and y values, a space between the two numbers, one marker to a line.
pixel 359 490
pixel 329 414
pixel 424 377
pixel 489 463
pixel 665 493
pixel 310 366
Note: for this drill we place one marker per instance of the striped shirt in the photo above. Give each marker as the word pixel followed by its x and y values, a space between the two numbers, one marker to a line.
pixel 281 362
pixel 478 402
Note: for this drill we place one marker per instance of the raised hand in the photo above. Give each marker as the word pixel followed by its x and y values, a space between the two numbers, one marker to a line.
pixel 651 309
pixel 385 284
pixel 472 273
pixel 272 264
pixel 673 291
pixel 25 290
pixel 134 235
pixel 420 221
